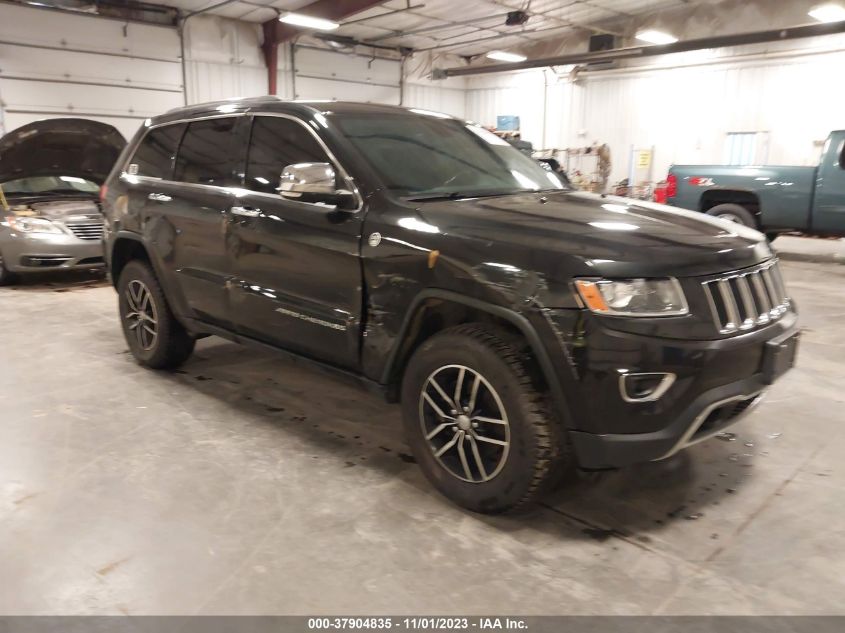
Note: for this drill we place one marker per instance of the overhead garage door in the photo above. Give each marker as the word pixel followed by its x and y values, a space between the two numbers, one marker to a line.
pixel 53 64
pixel 319 73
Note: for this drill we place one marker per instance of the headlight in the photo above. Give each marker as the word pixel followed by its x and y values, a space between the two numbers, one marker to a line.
pixel 32 225
pixel 633 297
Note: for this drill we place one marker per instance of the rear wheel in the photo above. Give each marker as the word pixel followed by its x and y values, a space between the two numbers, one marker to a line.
pixel 156 339
pixel 482 433
pixel 7 277
pixel 734 213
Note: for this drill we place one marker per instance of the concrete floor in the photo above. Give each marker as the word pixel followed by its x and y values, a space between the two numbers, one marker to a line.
pixel 245 485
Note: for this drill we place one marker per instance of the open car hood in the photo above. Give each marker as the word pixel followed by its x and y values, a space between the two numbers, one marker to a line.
pixel 60 147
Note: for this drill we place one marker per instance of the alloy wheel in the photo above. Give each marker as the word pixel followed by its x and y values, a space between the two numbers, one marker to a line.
pixel 465 423
pixel 142 317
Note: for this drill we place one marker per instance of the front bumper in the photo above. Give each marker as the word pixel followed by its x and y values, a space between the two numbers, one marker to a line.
pixel 718 382
pixel 48 251
pixel 708 415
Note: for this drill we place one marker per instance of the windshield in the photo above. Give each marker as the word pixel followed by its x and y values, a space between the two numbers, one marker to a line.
pixel 430 156
pixel 40 185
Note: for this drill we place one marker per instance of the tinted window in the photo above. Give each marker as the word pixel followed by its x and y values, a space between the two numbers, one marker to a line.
pixel 275 143
pixel 429 155
pixel 208 152
pixel 154 155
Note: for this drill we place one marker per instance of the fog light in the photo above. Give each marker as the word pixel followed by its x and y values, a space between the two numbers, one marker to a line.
pixel 644 387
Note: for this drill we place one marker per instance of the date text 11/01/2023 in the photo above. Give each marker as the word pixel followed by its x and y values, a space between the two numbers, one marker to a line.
pixel 417 623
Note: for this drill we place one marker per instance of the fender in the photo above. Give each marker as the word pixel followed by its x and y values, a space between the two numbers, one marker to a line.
pixel 517 320
pixel 174 298
pixel 729 190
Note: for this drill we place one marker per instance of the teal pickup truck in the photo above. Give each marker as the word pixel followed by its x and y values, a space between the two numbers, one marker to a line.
pixel 769 198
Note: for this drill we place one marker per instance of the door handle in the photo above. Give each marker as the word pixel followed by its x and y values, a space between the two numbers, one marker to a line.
pixel 159 197
pixel 247 212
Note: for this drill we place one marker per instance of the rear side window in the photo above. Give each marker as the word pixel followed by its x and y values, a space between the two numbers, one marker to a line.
pixel 208 153
pixel 154 155
pixel 275 143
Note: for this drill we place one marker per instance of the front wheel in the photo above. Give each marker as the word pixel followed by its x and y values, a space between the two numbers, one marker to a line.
pixel 481 431
pixel 156 339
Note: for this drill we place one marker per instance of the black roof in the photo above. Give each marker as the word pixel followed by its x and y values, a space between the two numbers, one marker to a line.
pixel 275 104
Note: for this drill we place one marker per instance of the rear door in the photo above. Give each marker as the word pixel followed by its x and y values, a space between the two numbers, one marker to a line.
pixel 198 203
pixel 829 201
pixel 146 178
pixel 297 264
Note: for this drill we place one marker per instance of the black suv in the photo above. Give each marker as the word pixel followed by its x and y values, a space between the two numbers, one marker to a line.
pixel 523 326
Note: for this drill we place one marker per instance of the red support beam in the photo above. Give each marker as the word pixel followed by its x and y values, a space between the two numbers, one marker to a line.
pixel 270 48
pixel 276 32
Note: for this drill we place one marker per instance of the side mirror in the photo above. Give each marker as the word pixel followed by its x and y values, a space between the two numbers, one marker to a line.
pixel 313 182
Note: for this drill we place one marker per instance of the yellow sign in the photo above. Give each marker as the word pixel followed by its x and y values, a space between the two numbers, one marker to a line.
pixel 643 159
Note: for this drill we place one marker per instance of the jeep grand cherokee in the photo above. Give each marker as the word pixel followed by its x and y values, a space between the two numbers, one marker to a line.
pixel 522 325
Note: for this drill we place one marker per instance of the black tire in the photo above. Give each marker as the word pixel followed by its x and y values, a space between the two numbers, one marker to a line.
pixel 735 213
pixel 170 345
pixel 7 277
pixel 537 445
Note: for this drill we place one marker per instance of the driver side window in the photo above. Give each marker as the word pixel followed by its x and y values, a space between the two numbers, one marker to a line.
pixel 276 142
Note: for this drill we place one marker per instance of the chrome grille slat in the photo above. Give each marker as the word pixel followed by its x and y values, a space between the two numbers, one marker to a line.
pixel 773 295
pixel 749 308
pixel 86 230
pixel 726 291
pixel 746 299
pixel 779 285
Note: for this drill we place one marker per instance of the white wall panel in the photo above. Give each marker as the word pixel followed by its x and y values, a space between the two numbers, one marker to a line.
pixel 224 60
pixel 323 74
pixel 211 82
pixel 307 88
pixel 60 64
pixel 73 98
pixel 65 30
pixel 312 62
pixel 523 97
pixel 684 111
pixel 49 64
pixel 449 100
pixel 687 113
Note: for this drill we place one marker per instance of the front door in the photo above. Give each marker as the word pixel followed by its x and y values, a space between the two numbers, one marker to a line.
pixel 829 200
pixel 297 264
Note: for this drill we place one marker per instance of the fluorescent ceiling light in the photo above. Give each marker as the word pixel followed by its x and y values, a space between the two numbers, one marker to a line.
pixel 656 37
pixel 828 13
pixel 502 56
pixel 308 22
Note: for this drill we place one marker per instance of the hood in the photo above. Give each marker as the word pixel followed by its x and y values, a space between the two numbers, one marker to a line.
pixel 60 147
pixel 575 233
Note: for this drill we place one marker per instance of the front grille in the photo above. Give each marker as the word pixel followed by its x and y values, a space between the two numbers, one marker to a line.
pixel 90 230
pixel 747 299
